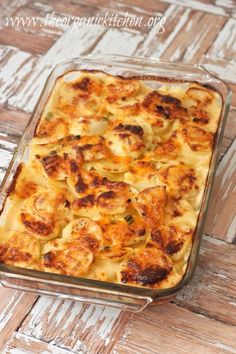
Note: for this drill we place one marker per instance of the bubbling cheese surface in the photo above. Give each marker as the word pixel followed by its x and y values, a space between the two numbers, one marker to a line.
pixel 113 184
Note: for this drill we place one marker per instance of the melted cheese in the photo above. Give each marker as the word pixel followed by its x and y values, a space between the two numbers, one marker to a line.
pixel 114 181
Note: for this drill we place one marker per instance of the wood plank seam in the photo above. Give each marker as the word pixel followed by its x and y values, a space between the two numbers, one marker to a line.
pixel 214 237
pixel 200 312
pixel 27 312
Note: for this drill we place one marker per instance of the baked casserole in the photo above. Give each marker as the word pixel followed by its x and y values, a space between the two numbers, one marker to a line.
pixel 114 180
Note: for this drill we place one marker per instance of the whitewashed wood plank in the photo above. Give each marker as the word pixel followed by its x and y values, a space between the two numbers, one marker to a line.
pixel 224 47
pixel 191 44
pixel 212 291
pixel 8 8
pixel 171 329
pixel 152 8
pixel 226 70
pixel 221 220
pixel 72 325
pixel 115 41
pixel 12 123
pixel 21 344
pixel 5 158
pixel 2 174
pixel 71 44
pixel 66 7
pixel 14 306
pixel 156 43
pixel 15 66
pixel 225 3
pixel 201 6
pixel 34 9
pixel 229 131
pixel 6 151
pixel 26 40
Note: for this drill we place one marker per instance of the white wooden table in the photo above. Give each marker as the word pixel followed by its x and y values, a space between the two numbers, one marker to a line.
pixel 202 318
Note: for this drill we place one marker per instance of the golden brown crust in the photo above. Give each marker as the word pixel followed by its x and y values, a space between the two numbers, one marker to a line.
pixel 146 267
pixel 150 205
pixel 197 138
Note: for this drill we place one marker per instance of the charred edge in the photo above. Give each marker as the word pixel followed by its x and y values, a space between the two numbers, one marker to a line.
pixel 113 184
pixel 80 186
pixel 49 258
pixel 165 111
pixel 201 120
pixel 73 166
pixel 152 275
pixel 174 247
pixel 83 85
pixel 141 232
pixel 38 227
pixel 84 202
pixel 148 276
pixel 134 129
pixel 86 147
pixel 108 195
pixel 170 99
pixel 67 204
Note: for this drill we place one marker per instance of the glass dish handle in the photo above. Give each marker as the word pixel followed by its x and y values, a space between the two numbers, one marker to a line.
pixel 127 302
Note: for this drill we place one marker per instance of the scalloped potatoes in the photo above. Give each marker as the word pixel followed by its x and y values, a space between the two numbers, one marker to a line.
pixel 114 181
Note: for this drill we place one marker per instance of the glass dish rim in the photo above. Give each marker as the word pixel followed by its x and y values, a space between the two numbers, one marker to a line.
pixel 119 289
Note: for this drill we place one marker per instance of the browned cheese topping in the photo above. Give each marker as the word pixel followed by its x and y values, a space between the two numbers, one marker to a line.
pixel 114 182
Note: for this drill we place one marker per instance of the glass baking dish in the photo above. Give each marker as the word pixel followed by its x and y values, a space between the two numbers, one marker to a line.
pixel 98 292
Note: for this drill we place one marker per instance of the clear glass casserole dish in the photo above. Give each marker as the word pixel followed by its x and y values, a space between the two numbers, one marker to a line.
pixel 99 292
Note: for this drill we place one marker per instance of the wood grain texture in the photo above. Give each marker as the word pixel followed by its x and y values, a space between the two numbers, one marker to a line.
pixel 172 329
pixel 8 8
pixel 221 220
pixel 15 68
pixel 193 40
pixel 12 125
pixel 22 344
pixel 212 291
pixel 37 10
pixel 65 7
pixel 13 122
pixel 114 42
pixel 14 306
pixel 139 6
pixel 224 47
pixel 74 326
pixel 7 149
pixel 229 132
pixel 217 7
pixel 25 41
pixel 156 44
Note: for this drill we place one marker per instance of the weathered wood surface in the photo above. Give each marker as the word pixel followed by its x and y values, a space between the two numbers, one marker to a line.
pixel 221 216
pixel 202 317
pixel 20 343
pixel 173 329
pixel 14 306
